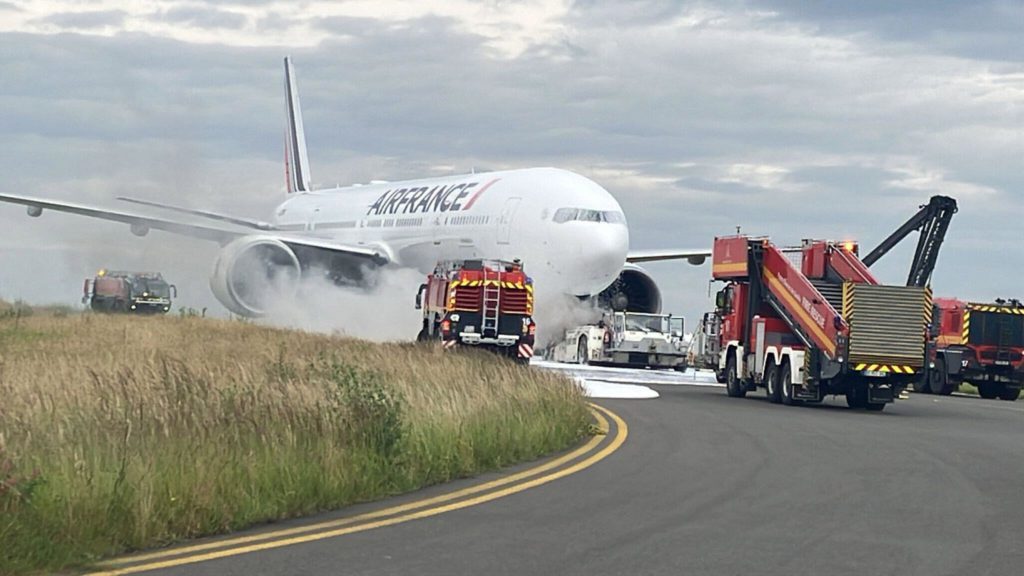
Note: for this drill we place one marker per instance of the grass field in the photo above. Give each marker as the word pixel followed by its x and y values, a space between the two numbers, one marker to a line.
pixel 120 433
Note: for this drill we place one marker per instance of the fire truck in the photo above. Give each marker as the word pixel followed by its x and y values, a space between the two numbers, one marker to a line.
pixel 825 327
pixel 131 292
pixel 980 344
pixel 484 304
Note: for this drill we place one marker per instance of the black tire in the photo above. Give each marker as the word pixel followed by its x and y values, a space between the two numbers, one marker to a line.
pixel 423 336
pixel 582 353
pixel 857 395
pixel 921 384
pixel 786 386
pixel 733 386
pixel 873 407
pixel 771 382
pixel 1009 394
pixel 989 390
pixel 939 380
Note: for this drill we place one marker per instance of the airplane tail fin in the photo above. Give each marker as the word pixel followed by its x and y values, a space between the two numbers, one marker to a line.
pixel 295 158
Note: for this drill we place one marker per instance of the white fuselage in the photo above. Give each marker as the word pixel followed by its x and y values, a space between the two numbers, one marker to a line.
pixel 569 232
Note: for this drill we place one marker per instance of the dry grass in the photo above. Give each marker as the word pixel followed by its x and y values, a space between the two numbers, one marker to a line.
pixel 120 433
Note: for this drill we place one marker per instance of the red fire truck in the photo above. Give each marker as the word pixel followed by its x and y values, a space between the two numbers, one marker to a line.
pixel 480 303
pixel 980 344
pixel 826 327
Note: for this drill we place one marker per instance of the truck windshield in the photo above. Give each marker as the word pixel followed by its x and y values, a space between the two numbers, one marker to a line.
pixel 997 329
pixel 159 289
pixel 152 287
pixel 646 323
pixel 675 325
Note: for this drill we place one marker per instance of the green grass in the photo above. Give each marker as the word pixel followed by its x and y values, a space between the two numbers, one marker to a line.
pixel 120 433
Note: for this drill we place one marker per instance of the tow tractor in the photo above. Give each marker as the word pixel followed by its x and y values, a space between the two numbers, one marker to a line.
pixel 486 304
pixel 626 339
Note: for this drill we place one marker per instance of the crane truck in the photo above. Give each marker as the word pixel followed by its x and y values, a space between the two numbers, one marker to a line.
pixel 486 304
pixel 981 344
pixel 131 292
pixel 824 328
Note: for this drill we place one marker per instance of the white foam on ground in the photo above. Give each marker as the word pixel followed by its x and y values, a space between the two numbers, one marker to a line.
pixel 613 382
pixel 618 375
pixel 599 389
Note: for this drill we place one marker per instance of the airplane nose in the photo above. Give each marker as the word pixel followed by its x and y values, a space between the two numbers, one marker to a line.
pixel 604 256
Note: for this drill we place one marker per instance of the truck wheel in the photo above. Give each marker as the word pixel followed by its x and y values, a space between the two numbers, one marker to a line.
pixel 786 386
pixel 581 351
pixel 939 379
pixel 733 387
pixel 857 395
pixel 1010 394
pixel 988 390
pixel 771 382
pixel 921 384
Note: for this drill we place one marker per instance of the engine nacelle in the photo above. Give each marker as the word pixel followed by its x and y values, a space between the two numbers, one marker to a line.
pixel 253 271
pixel 633 291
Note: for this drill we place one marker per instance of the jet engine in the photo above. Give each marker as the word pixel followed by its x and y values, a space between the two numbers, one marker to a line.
pixel 633 291
pixel 253 271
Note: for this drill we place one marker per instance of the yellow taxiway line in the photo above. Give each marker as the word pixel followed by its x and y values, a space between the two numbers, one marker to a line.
pixel 506 486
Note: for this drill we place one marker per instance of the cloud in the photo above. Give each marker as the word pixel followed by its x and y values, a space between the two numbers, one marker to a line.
pixel 199 17
pixel 698 117
pixel 987 29
pixel 85 20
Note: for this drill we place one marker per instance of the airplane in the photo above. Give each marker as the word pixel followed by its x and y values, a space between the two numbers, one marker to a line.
pixel 569 232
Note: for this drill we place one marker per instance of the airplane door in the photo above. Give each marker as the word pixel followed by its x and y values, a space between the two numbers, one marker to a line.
pixel 505 222
pixel 313 217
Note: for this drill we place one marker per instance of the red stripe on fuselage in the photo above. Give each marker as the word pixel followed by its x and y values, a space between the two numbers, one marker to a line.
pixel 478 193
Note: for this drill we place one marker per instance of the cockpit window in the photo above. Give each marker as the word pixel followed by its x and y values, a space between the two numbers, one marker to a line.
pixel 563 215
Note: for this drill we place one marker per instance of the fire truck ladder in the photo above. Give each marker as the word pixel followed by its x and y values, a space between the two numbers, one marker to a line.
pixel 491 302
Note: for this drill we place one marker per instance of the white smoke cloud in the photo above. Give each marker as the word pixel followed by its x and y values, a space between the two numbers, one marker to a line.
pixel 383 313
pixel 556 313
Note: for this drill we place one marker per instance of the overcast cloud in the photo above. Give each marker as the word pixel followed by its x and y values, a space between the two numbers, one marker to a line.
pixel 833 121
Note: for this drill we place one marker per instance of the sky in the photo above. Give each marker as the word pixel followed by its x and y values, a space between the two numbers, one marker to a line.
pixel 791 119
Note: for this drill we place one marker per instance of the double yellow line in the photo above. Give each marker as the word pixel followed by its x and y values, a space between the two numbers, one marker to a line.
pixel 579 459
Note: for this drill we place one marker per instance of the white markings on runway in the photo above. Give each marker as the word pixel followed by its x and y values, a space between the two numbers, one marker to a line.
pixel 605 382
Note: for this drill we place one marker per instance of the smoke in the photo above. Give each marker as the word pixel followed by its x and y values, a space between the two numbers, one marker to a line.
pixel 384 312
pixel 556 313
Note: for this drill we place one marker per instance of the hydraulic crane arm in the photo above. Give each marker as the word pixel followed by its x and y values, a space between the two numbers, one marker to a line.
pixel 932 221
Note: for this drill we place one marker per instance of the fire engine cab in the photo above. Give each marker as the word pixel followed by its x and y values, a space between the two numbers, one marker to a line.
pixel 480 303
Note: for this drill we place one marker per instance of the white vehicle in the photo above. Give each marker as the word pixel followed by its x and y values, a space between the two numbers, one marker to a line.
pixel 570 229
pixel 626 339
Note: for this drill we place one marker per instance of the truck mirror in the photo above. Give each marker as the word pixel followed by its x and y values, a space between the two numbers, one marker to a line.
pixel 419 296
pixel 174 290
pixel 722 300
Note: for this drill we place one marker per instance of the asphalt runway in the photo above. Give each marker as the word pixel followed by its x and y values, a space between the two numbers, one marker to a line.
pixel 706 484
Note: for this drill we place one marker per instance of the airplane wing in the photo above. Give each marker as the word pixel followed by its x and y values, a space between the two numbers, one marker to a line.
pixel 256 224
pixel 140 223
pixel 224 231
pixel 695 257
